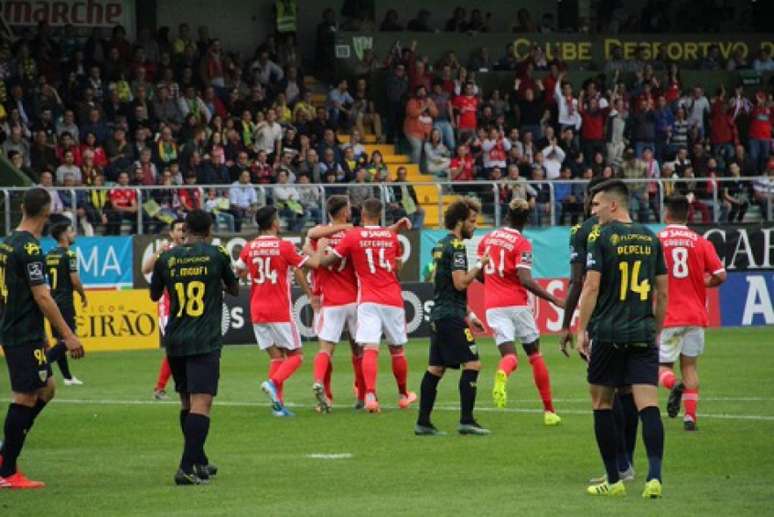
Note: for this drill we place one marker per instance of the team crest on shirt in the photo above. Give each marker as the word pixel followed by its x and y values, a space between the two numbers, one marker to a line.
pixel 458 244
pixel 171 262
pixel 43 374
pixel 615 239
pixel 32 249
pixel 223 250
pixel 594 235
pixel 364 234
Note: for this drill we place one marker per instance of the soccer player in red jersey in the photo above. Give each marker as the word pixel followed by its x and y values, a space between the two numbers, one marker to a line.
pixel 507 278
pixel 693 265
pixel 374 251
pixel 176 238
pixel 268 260
pixel 335 302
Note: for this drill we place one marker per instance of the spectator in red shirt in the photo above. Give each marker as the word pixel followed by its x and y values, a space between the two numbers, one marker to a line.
pixel 466 108
pixel 123 206
pixel 191 195
pixel 592 131
pixel 462 167
pixel 723 132
pixel 760 131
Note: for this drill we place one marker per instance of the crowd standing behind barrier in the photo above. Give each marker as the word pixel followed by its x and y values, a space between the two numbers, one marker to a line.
pixel 129 135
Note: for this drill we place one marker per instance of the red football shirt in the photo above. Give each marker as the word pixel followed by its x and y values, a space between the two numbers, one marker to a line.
pixel 467 107
pixel 268 259
pixel 508 250
pixel 336 284
pixel 689 257
pixel 123 197
pixel 374 252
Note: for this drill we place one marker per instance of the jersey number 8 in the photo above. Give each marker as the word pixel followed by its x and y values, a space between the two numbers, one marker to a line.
pixel 680 266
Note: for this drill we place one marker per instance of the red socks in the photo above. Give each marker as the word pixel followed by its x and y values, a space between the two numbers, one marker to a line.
pixel 164 374
pixel 286 369
pixel 542 381
pixel 327 381
pixel 667 379
pixel 400 371
pixel 357 367
pixel 274 365
pixel 322 362
pixel 690 401
pixel 508 364
pixel 370 368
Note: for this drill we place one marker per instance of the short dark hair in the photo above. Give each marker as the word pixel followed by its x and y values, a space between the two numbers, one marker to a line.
pixel 613 186
pixel 518 213
pixel 35 201
pixel 198 223
pixel 460 210
pixel 593 182
pixel 174 223
pixel 677 205
pixel 58 229
pixel 335 204
pixel 372 207
pixel 265 216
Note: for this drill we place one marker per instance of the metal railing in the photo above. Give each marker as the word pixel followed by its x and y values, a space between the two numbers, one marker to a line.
pixel 488 192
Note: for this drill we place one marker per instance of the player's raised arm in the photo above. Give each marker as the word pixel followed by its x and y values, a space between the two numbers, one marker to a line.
pixel 334 255
pixel 50 310
pixel 404 223
pixel 326 230
pixel 462 279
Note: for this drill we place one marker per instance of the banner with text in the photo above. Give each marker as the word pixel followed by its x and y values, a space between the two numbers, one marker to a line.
pixel 744 247
pixel 112 322
pixel 104 262
pixel 82 15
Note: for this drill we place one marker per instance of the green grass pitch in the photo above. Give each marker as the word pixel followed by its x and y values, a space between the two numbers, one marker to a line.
pixel 106 449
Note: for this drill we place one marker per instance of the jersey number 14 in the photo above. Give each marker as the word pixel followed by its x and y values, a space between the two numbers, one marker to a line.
pixel 383 262
pixel 637 286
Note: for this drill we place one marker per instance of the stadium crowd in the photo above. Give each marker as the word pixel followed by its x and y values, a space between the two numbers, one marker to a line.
pixel 180 112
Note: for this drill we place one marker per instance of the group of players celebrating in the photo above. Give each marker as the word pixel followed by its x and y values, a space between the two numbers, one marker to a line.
pixel 641 296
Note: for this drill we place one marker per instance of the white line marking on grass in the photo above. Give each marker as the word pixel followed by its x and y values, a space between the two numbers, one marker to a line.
pixel 118 402
pixel 340 456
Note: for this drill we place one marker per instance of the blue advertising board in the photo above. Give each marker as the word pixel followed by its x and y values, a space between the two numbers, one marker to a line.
pixel 745 299
pixel 104 262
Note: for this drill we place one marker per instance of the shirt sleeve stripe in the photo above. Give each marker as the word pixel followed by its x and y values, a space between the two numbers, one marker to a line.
pixel 721 270
pixel 304 258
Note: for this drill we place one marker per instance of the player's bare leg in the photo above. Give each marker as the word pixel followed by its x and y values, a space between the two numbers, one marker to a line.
pixel 370 373
pixel 509 362
pixel 400 371
pixel 159 391
pixel 691 394
pixel 646 399
pixel 22 412
pixel 542 382
pixel 357 368
pixel 429 390
pixel 322 371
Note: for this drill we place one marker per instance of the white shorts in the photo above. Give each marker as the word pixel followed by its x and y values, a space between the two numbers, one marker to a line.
pixel 163 320
pixel 510 323
pixel 329 322
pixel 281 335
pixel 373 319
pixel 688 341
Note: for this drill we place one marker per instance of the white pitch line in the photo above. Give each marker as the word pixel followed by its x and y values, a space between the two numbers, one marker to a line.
pixel 117 402
pixel 340 456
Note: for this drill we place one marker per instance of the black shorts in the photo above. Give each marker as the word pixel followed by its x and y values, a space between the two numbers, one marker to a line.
pixel 196 373
pixel 69 316
pixel 623 364
pixel 28 367
pixel 451 343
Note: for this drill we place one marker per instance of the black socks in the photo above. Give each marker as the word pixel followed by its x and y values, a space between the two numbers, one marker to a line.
pixel 605 431
pixel 631 420
pixel 18 422
pixel 195 431
pixel 58 354
pixel 468 387
pixel 428 392
pixel 653 436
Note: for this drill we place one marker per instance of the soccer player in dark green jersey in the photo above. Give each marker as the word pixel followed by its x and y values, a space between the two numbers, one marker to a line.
pixel 625 272
pixel 195 274
pixel 451 343
pixel 624 409
pixel 63 278
pixel 25 299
